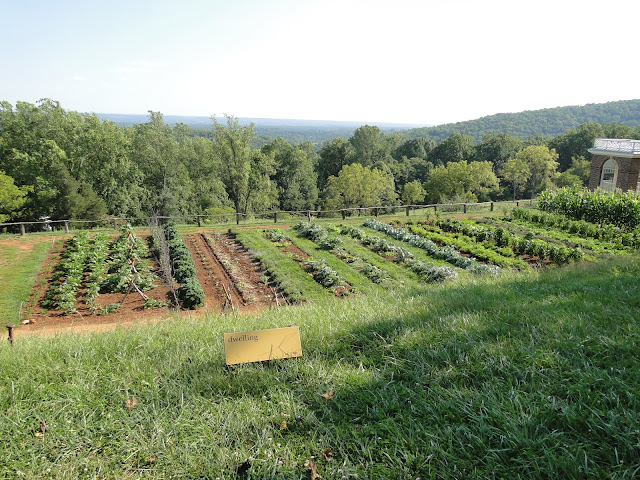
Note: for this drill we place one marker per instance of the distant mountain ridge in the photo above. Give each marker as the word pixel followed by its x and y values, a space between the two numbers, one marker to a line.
pixel 293 130
pixel 205 122
pixel 547 122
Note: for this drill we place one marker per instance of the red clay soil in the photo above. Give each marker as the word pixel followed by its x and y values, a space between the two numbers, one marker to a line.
pixel 227 273
pixel 220 265
pixel 46 321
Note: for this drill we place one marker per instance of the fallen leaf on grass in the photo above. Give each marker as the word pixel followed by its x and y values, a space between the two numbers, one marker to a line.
pixel 131 403
pixel 39 434
pixel 329 395
pixel 283 425
pixel 43 428
pixel 327 454
pixel 313 470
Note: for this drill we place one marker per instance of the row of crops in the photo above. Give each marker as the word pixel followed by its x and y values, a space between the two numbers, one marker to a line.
pixel 100 265
pixel 347 259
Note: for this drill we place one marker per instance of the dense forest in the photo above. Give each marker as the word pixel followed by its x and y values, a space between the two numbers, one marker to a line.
pixel 64 165
pixel 547 122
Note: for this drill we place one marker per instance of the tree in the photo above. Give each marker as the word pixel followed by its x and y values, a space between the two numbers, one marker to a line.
pixel 358 186
pixel 497 149
pixel 517 172
pixel 455 148
pixel 413 193
pixel 232 146
pixel 295 176
pixel 369 145
pixel 333 155
pixel 576 175
pixel 542 164
pixel 168 188
pixel 415 148
pixel 461 180
pixel 12 197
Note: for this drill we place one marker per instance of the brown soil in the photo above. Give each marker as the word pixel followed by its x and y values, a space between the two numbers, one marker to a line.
pixel 210 258
pixel 131 305
pixel 227 274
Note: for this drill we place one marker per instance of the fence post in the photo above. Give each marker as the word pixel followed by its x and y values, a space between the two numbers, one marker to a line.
pixel 491 209
pixel 237 218
pixel 22 229
pixel 344 214
pixel 198 220
pixel 66 226
pixel 275 217
pixel 375 212
pixel 464 208
pixel 309 215
pixel 115 224
pixel 435 208
pixel 408 210
pixel 518 203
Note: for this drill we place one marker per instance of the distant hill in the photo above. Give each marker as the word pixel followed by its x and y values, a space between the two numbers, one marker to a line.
pixel 292 130
pixel 547 122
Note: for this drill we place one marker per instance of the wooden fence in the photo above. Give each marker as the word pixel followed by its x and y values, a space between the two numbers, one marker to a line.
pixel 44 225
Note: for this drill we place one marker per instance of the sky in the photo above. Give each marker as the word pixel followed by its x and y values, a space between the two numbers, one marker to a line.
pixel 406 61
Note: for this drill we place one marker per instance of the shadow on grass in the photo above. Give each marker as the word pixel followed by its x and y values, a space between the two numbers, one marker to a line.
pixel 532 376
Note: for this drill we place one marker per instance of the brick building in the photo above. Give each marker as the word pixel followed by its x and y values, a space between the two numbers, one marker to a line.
pixel 615 164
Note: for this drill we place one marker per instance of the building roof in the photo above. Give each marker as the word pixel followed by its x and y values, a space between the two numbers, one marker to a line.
pixel 617 147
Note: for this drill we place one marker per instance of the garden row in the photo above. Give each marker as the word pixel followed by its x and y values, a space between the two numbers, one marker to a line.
pixel 189 293
pixel 98 265
pixel 495 245
pixel 618 208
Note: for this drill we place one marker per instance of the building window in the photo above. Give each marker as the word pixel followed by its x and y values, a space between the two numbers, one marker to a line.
pixel 609 175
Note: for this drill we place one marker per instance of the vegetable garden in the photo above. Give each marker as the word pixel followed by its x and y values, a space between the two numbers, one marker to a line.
pixel 102 277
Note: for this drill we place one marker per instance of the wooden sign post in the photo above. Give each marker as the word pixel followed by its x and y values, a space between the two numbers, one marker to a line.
pixel 261 345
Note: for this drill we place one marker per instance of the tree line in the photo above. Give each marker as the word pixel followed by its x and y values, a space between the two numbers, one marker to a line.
pixel 547 122
pixel 63 164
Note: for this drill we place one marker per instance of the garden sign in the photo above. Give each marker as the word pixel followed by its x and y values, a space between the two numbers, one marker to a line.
pixel 261 345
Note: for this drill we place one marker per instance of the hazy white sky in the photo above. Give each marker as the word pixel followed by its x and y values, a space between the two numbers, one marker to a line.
pixel 410 61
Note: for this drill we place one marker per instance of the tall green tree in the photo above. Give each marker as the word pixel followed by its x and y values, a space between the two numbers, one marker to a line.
pixel 542 163
pixel 168 188
pixel 461 180
pixel 358 186
pixel 12 197
pixel 413 193
pixel 232 145
pixel 497 148
pixel 333 155
pixel 455 148
pixel 295 175
pixel 369 145
pixel 517 172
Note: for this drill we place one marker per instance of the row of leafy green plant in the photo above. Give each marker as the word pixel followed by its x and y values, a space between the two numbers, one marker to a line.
pixel 621 209
pixel 427 271
pixel 607 232
pixel 484 250
pixel 190 292
pixel 100 266
pixel 526 229
pixel 319 270
pixel 506 240
pixel 448 253
pixel 320 236
pixel 68 276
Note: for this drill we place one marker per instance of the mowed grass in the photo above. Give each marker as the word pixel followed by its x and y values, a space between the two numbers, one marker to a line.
pixel 20 263
pixel 528 375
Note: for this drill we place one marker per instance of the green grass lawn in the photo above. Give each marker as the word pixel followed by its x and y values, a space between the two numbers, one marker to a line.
pixel 528 375
pixel 18 271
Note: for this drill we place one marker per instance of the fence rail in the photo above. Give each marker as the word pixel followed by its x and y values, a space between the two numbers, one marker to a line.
pixel 273 215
